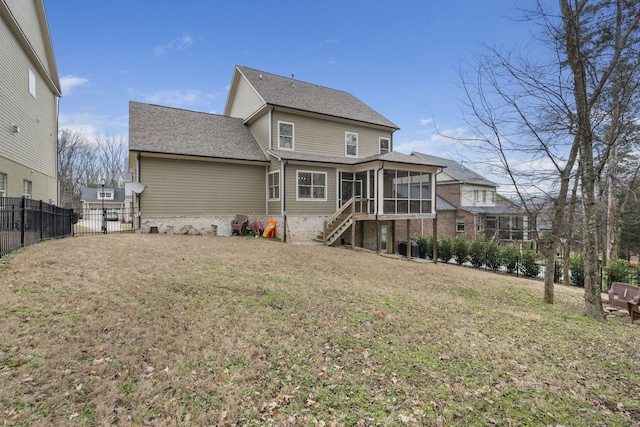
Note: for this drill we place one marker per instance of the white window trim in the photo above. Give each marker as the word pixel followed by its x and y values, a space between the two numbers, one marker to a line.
pixel 311 199
pixel 3 180
pixel 269 187
pixel 460 225
pixel 293 136
pixel 346 151
pixel 380 145
pixel 32 83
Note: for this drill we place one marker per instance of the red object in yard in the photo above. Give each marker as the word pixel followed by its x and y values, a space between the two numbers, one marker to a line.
pixel 270 231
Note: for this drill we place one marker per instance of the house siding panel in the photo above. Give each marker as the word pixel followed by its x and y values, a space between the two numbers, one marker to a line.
pixel 316 136
pixel 30 154
pixel 35 117
pixel 260 131
pixel 308 207
pixel 202 188
pixel 247 101
pixel 24 12
pixel 468 199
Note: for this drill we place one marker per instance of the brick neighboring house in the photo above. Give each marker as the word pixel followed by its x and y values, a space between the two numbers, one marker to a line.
pixel 468 203
pixel 317 160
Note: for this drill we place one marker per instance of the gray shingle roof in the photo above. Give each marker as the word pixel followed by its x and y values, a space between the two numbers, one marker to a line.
pixel 90 195
pixel 443 205
pixel 157 129
pixel 458 171
pixel 496 210
pixel 387 157
pixel 279 91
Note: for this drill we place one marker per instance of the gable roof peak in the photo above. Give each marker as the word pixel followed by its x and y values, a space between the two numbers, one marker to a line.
pixel 292 93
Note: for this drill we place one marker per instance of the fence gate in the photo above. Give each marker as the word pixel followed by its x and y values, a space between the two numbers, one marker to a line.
pixel 104 221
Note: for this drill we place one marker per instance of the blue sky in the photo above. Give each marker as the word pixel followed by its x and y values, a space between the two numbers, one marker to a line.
pixel 401 58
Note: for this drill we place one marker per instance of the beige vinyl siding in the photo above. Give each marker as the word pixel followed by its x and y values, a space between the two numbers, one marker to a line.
pixel 246 100
pixel 35 145
pixel 260 131
pixel 24 12
pixel 309 207
pixel 31 153
pixel 317 136
pixel 192 187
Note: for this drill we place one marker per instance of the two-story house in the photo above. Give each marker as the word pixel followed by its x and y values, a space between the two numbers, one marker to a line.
pixel 29 93
pixel 469 203
pixel 318 160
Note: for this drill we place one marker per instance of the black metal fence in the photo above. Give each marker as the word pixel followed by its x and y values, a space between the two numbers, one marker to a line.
pixel 519 268
pixel 610 275
pixel 104 221
pixel 24 222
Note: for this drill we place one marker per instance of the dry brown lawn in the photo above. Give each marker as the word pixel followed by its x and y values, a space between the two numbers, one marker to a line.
pixel 183 330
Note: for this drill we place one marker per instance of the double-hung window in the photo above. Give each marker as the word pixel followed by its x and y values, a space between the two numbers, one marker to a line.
pixel 285 136
pixel 105 195
pixel 351 142
pixel 460 224
pixel 385 145
pixel 274 185
pixel 312 186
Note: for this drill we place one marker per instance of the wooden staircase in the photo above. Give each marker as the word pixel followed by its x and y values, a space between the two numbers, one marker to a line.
pixel 338 223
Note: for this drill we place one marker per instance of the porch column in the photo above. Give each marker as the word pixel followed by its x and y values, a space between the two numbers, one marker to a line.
pixel 353 224
pixel 435 239
pixel 353 234
pixel 408 240
pixel 378 237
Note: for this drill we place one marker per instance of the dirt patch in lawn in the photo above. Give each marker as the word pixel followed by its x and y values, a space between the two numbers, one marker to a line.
pixel 183 330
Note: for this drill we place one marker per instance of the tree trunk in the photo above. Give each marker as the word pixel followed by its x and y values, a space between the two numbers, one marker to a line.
pixel 592 284
pixel 573 35
pixel 566 251
pixel 549 273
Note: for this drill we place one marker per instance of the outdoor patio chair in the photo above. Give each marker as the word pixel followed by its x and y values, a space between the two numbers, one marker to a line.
pixel 240 225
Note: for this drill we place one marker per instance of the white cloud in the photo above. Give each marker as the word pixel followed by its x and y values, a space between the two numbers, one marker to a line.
pixel 69 83
pixel 181 98
pixel 175 45
pixel 94 124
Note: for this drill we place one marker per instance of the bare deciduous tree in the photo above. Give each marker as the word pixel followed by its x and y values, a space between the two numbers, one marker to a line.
pixel 84 163
pixel 557 111
pixel 112 151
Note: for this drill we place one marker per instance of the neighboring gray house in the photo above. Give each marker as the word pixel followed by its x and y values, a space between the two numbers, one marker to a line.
pixel 479 209
pixel 29 93
pixel 115 201
pixel 318 160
